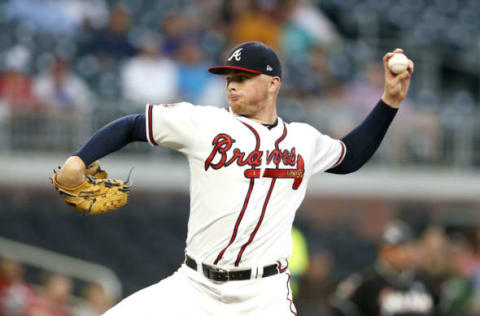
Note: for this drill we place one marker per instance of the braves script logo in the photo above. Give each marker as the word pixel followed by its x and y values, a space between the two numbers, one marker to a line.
pixel 236 54
pixel 224 155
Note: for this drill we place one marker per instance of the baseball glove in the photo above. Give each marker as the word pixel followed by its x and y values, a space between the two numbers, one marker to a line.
pixel 96 194
pixel 94 170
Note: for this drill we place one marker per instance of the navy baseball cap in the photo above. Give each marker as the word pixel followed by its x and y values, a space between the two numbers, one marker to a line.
pixel 253 57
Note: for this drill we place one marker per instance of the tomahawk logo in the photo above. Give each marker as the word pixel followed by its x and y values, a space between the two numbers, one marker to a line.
pixel 236 54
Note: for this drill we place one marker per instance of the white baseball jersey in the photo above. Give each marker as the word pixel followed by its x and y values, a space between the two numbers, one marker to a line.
pixel 247 180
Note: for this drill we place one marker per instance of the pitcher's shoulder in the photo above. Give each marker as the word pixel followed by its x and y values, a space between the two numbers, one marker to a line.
pixel 210 109
pixel 197 108
pixel 302 127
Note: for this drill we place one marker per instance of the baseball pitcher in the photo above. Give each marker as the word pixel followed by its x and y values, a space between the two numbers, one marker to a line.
pixel 249 174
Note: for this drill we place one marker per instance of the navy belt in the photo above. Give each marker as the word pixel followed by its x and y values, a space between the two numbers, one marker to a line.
pixel 218 274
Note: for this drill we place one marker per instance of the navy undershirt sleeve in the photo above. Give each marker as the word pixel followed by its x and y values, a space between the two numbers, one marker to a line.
pixel 364 140
pixel 113 137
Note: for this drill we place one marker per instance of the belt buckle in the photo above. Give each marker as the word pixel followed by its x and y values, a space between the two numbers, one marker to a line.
pixel 222 274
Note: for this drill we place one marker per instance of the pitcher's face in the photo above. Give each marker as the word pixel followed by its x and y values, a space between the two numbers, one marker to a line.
pixel 247 93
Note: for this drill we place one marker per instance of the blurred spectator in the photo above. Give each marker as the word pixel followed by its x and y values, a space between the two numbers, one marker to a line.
pixel 392 286
pixel 43 15
pixel 234 9
pixel 16 86
pixel 207 11
pixel 195 84
pixel 316 285
pixel 258 22
pixel 365 91
pixel 320 72
pixel 465 253
pixel 310 18
pixel 476 274
pixel 195 25
pixel 306 27
pixel 53 298
pixel 174 30
pixel 459 283
pixel 96 301
pixel 433 252
pixel 435 256
pixel 112 41
pixel 87 13
pixel 64 17
pixel 310 76
pixel 63 91
pixel 149 77
pixel 15 293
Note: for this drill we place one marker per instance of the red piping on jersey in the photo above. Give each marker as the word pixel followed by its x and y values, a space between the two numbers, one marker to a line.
pixel 284 134
pixel 279 267
pixel 239 219
pixel 342 155
pixel 252 235
pixel 288 295
pixel 150 128
pixel 245 203
pixel 267 199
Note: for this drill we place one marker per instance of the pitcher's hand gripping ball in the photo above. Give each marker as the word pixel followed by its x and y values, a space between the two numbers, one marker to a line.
pixel 398 63
pixel 96 194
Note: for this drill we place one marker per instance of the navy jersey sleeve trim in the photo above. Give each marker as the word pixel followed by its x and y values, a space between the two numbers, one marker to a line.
pixel 113 137
pixel 362 142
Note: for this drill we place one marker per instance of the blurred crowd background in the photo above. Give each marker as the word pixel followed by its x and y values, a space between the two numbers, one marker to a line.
pixel 69 67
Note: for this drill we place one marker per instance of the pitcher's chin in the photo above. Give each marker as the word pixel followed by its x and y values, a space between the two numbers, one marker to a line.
pixel 238 108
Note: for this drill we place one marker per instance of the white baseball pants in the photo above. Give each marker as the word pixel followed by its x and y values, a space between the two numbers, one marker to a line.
pixel 188 293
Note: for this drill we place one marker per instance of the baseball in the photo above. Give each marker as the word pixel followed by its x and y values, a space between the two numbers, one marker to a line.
pixel 398 63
